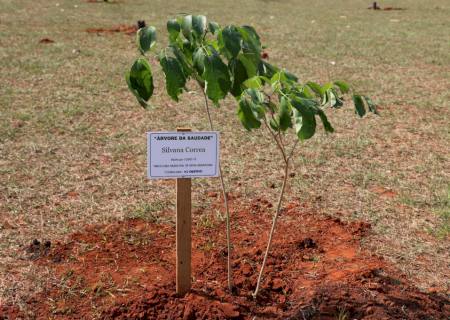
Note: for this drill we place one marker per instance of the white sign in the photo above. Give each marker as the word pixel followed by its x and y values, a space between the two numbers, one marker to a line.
pixel 182 154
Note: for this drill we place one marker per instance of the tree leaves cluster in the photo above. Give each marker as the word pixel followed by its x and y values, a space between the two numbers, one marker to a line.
pixel 227 60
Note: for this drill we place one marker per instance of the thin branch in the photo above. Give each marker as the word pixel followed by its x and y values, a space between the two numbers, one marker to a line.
pixel 292 150
pixel 225 199
pixel 207 108
pixel 272 230
pixel 280 146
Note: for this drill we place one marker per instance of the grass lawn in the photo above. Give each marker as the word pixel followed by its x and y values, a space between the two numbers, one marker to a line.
pixel 72 137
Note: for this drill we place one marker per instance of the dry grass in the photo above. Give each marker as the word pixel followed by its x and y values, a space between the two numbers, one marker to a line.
pixel 72 139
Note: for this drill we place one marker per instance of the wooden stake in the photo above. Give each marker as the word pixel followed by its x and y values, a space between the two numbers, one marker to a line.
pixel 184 223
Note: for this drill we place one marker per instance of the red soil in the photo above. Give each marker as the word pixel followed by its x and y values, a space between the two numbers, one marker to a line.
pixel 130 30
pixel 46 40
pixel 316 270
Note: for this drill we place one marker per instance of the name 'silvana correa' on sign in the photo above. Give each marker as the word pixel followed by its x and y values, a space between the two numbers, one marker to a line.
pixel 182 150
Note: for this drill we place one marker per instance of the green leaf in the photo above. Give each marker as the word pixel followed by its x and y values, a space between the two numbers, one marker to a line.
pixel 246 114
pixel 213 27
pixel 251 50
pixel 305 120
pixel 186 27
pixel 281 79
pixel 326 87
pixel 188 48
pixel 230 41
pixel 307 92
pixel 343 86
pixel 141 101
pixel 182 59
pixel 199 26
pixel 250 41
pixel 316 88
pixel 198 60
pixel 239 75
pixel 140 81
pixel 175 77
pixel 266 69
pixel 249 64
pixel 253 83
pixel 217 78
pixel 174 28
pixel 257 98
pixel 326 124
pixel 372 106
pixel 360 109
pixel 284 115
pixel 278 77
pixel 146 38
pixel 331 98
pixel 334 99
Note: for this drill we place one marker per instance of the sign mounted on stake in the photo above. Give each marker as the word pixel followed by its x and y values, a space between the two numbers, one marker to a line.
pixel 182 154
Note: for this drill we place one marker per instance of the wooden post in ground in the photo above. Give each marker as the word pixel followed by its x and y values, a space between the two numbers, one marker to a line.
pixel 183 227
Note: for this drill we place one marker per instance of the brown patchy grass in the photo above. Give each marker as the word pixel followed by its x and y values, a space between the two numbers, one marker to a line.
pixel 72 139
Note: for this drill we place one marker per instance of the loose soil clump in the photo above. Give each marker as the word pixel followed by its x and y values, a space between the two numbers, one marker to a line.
pixel 317 270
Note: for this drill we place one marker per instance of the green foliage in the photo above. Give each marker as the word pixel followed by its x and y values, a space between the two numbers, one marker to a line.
pixel 174 28
pixel 146 38
pixel 227 60
pixel 305 120
pixel 284 115
pixel 173 69
pixel 230 42
pixel 216 77
pixel 359 105
pixel 248 115
pixel 140 81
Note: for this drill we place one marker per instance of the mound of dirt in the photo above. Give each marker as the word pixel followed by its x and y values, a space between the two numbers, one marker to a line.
pixel 317 270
